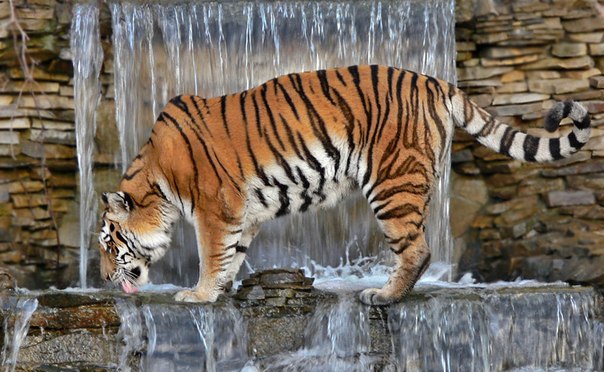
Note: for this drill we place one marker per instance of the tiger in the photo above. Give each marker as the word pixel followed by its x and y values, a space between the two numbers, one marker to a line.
pixel 298 142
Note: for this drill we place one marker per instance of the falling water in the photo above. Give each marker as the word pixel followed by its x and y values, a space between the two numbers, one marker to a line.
pixel 14 327
pixel 498 332
pixel 87 61
pixel 216 48
pixel 181 337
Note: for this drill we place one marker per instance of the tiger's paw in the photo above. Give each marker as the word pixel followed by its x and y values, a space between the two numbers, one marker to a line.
pixel 192 296
pixel 375 296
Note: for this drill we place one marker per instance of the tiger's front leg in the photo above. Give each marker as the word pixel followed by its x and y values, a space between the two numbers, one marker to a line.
pixel 218 238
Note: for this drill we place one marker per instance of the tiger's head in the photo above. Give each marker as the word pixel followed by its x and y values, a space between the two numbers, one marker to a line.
pixel 132 237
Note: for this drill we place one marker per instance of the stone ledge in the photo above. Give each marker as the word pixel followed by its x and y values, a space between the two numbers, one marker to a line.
pixel 81 342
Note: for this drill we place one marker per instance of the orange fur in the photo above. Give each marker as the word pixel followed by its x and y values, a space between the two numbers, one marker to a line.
pixel 229 163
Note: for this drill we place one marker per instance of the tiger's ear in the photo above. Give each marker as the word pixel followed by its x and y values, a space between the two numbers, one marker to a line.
pixel 118 204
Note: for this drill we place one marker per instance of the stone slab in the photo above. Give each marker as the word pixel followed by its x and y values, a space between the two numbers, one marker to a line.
pixel 567 198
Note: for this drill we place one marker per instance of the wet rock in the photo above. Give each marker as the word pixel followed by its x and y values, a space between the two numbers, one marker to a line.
pixel 7 282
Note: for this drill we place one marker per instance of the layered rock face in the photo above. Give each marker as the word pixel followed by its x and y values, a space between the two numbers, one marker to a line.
pixel 536 221
pixel 516 58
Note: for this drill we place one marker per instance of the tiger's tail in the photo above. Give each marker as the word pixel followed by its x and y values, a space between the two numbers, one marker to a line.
pixel 519 145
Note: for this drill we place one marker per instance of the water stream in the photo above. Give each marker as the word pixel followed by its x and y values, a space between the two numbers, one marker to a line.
pixel 444 327
pixel 214 48
pixel 87 61
pixel 182 338
pixel 14 327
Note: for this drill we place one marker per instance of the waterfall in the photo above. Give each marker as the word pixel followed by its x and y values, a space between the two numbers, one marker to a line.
pixel 14 327
pixel 495 332
pixel 216 48
pixel 87 61
pixel 182 338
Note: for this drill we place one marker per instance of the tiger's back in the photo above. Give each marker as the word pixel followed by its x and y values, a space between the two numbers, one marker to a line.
pixel 305 140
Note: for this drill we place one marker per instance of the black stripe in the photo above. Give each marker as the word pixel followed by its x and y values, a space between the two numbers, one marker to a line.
pixel 568 106
pixel 316 166
pixel 318 127
pixel 257 112
pixel 554 148
pixel 585 122
pixel 325 85
pixel 408 188
pixel 258 169
pixel 399 212
pixel 128 177
pixel 283 198
pixel 271 117
pixel 288 99
pixel 341 78
pixel 409 239
pixel 200 115
pixel 241 249
pixel 190 150
pixel 440 124
pixel 530 146
pixel 223 112
pixel 261 197
pixel 574 142
pixel 506 140
pixel 350 120
pixel 290 136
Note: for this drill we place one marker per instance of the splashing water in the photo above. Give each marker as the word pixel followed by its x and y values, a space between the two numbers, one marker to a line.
pixel 215 48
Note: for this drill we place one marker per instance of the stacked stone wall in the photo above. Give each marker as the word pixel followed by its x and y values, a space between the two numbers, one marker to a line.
pixel 39 197
pixel 516 59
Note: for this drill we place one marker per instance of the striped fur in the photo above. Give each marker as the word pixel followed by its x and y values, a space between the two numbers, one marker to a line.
pixel 304 141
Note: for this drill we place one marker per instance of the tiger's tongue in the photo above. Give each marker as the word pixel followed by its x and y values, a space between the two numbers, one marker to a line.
pixel 128 287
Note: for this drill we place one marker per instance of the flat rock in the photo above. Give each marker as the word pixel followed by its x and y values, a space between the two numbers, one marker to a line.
pixel 507 99
pixel 566 198
pixel 596 82
pixel 587 37
pixel 595 166
pixel 580 96
pixel 509 52
pixel 15 124
pixel 515 87
pixel 514 110
pixel 557 86
pixel 584 24
pixel 569 49
pixel 510 61
pixel 478 73
pixel 582 74
pixel 513 76
pixel 562 63
pixel 48 151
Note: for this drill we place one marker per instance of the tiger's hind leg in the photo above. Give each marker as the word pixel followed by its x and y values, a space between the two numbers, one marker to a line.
pixel 402 220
